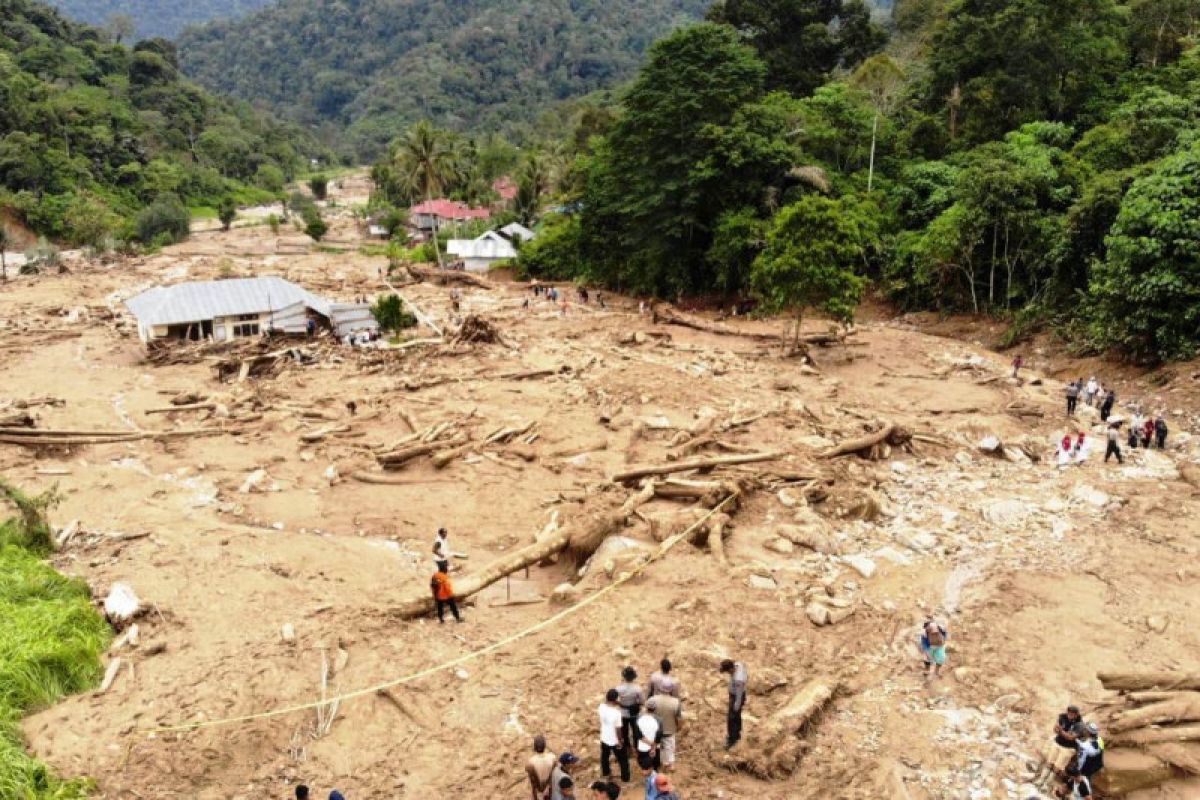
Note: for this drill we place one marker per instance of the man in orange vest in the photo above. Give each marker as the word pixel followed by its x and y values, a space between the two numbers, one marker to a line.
pixel 443 595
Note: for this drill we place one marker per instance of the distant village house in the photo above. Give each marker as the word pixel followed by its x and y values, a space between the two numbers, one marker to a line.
pixel 232 309
pixel 443 213
pixel 484 252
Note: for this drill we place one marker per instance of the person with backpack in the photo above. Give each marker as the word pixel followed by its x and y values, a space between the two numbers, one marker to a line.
pixel 1091 751
pixel 933 648
pixel 1160 432
pixel 443 595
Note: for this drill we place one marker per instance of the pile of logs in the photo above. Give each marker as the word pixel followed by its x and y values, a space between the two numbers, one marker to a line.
pixel 35 438
pixel 1152 730
pixel 477 330
pixel 774 748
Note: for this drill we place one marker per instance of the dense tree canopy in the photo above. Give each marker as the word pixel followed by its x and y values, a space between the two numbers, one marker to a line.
pixel 90 131
pixel 381 65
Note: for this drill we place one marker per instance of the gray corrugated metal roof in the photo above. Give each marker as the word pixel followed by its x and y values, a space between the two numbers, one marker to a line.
pixel 203 300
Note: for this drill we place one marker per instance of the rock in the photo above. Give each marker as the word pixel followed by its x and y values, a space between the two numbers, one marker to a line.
pixel 1007 700
pixel 900 468
pixel 1007 513
pixel 565 594
pixel 331 474
pixel 288 633
pixel 254 482
pixel 860 564
pixel 1016 455
pixel 760 582
pixel 837 615
pixel 964 675
pixel 461 674
pixel 919 541
pixel 818 614
pixel 962 457
pixel 788 498
pixel 1093 497
pixel 133 635
pixel 990 444
pixel 1157 623
pixel 781 546
pixel 122 604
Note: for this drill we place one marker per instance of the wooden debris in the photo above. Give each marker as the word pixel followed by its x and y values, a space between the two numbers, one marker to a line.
pixel 448 276
pixel 667 314
pixel 889 434
pixel 189 407
pixel 1146 681
pixel 110 675
pixel 695 464
pixel 774 750
pixel 477 330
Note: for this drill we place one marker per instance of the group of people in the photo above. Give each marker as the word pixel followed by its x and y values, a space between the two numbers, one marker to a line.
pixel 553 295
pixel 638 722
pixel 1083 738
pixel 1145 431
pixel 302 793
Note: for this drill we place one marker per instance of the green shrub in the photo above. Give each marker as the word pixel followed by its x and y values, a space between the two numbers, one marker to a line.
pixel 273 221
pixel 319 185
pixel 227 212
pixel 314 226
pixel 391 315
pixel 165 221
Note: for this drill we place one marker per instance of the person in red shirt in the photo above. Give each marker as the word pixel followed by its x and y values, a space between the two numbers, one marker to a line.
pixel 443 595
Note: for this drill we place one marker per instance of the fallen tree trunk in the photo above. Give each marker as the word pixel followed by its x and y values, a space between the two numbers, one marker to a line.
pixel 667 314
pixel 391 480
pixel 1177 733
pixel 68 440
pixel 17 419
pixel 1182 756
pixel 188 407
pixel 446 276
pixel 1148 681
pixel 889 434
pixel 685 466
pixel 398 458
pixel 1184 707
pixel 774 750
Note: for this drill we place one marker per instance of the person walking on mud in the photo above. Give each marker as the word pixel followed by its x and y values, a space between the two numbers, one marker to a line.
pixel 1114 443
pixel 1160 432
pixel 1072 397
pixel 441 550
pixel 933 648
pixel 1017 363
pixel 612 737
pixel 1106 407
pixel 738 678
pixel 443 595
pixel 630 697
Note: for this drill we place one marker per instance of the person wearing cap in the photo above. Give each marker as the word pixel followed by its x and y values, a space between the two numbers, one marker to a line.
pixel 630 698
pixel 738 678
pixel 1091 752
pixel 668 710
pixel 336 795
pixel 663 682
pixel 539 769
pixel 1069 728
pixel 562 770
pixel 612 737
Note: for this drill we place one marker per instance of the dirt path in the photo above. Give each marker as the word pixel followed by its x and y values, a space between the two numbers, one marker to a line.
pixel 1044 576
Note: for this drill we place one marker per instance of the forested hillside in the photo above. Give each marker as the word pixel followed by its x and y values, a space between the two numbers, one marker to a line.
pixel 92 133
pixel 1037 160
pixel 145 19
pixel 379 65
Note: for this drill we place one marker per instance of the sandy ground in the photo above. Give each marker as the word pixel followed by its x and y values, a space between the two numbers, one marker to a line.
pixel 1044 576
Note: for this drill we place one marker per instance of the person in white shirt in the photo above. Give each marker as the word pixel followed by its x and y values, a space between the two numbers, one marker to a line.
pixel 647 746
pixel 611 737
pixel 441 550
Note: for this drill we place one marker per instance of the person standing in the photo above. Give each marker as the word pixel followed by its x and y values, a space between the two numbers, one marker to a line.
pixel 1072 397
pixel 630 697
pixel 1114 444
pixel 443 595
pixel 562 771
pixel 663 682
pixel 1017 363
pixel 1160 432
pixel 1083 449
pixel 647 740
pixel 612 741
pixel 441 550
pixel 738 678
pixel 301 792
pixel 1106 407
pixel 933 647
pixel 540 769
pixel 1090 390
pixel 1147 432
pixel 669 712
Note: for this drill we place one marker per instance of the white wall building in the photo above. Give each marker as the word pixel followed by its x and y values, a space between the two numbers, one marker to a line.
pixel 238 308
pixel 478 255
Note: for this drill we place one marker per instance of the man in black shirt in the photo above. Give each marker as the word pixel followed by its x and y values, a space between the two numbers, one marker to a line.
pixel 1069 728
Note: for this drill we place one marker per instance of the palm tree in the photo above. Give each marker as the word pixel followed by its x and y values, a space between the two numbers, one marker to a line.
pixel 532 183
pixel 883 79
pixel 425 164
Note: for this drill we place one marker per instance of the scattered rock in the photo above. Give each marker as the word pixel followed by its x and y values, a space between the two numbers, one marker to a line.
pixel 565 594
pixel 461 674
pixel 900 468
pixel 1157 623
pixel 760 582
pixel 818 614
pixel 781 546
pixel 288 633
pixel 837 615
pixel 1093 497
pixel 254 482
pixel 990 444
pixel 331 474
pixel 788 498
pixel 860 564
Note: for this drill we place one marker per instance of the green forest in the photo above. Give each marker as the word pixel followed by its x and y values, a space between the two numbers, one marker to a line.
pixel 1037 160
pixel 102 145
pixel 146 19
pixel 376 66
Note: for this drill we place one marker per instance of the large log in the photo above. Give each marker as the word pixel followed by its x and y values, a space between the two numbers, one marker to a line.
pixel 1183 756
pixel 667 314
pixel 446 276
pixel 1184 707
pixel 398 458
pixel 1177 733
pixel 1149 681
pixel 773 751
pixel 1127 771
pixel 890 434
pixel 685 466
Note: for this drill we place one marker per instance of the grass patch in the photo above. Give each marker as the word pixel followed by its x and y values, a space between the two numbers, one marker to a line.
pixel 325 248
pixel 373 250
pixel 51 639
pixel 203 212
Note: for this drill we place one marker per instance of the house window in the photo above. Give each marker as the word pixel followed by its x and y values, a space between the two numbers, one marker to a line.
pixel 245 329
pixel 246 318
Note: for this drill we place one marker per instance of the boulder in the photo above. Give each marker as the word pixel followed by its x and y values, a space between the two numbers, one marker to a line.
pixel 860 564
pixel 288 633
pixel 818 614
pixel 761 582
pixel 781 546
pixel 990 444
pixel 1093 497
pixel 122 604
